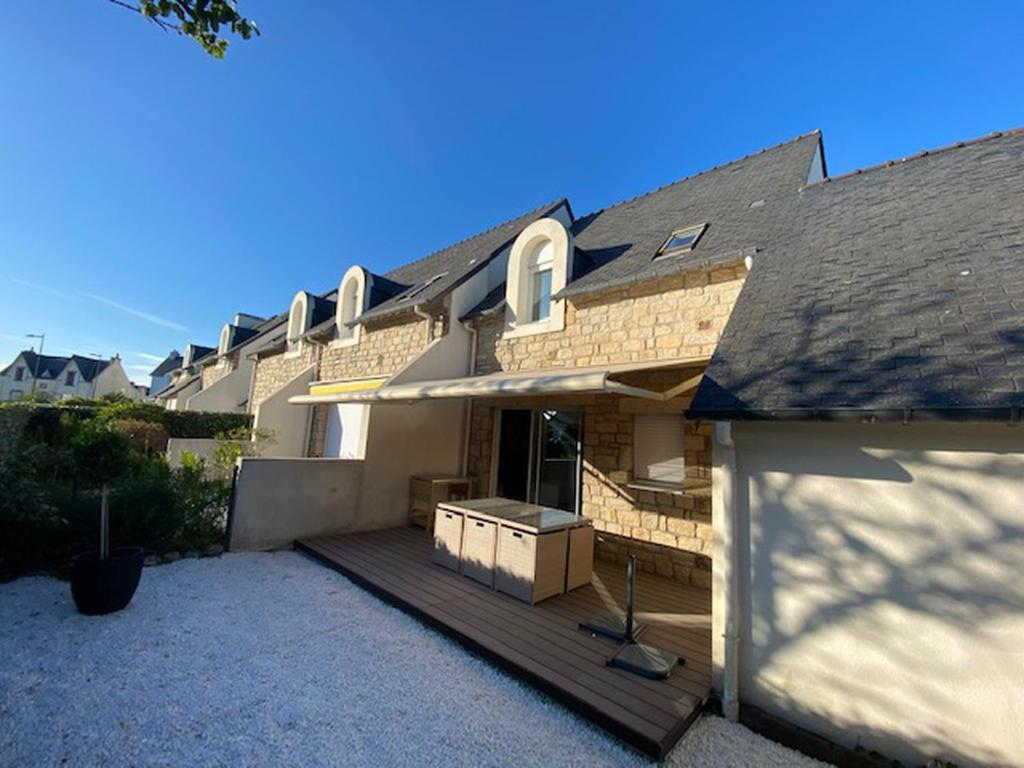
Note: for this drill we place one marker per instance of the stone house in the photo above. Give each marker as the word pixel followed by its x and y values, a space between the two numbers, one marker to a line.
pixel 624 307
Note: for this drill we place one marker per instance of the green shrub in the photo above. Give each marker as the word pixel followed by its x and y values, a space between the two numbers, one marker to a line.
pixel 49 505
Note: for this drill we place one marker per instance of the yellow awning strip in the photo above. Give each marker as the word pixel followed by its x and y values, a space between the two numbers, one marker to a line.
pixel 338 387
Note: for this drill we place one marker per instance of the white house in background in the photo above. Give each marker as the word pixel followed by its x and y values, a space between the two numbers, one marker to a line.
pixel 160 378
pixel 61 377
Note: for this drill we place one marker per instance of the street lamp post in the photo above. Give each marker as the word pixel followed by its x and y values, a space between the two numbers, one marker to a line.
pixel 35 373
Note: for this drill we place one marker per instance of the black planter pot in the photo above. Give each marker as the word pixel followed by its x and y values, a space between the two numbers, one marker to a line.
pixel 104 586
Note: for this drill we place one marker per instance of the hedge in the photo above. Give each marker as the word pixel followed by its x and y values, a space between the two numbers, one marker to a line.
pixel 43 420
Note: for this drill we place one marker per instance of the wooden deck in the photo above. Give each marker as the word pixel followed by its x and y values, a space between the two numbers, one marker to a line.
pixel 543 643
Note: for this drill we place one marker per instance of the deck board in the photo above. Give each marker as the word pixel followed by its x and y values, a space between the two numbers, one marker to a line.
pixel 543 643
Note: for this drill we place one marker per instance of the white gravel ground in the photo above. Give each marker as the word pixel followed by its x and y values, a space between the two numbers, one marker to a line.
pixel 271 659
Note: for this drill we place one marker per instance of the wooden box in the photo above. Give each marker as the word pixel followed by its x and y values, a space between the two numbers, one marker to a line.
pixel 478 541
pixel 529 566
pixel 427 491
pixel 448 538
pixel 581 557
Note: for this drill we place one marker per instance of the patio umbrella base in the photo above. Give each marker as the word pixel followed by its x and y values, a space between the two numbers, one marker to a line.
pixel 612 626
pixel 645 660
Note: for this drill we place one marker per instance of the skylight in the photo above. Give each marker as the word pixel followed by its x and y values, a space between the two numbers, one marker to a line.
pixel 681 241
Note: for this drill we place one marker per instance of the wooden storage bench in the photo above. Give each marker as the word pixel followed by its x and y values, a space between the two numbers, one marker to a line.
pixel 427 491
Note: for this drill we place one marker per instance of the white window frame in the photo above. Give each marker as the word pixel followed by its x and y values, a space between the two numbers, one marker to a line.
pixel 225 335
pixel 299 310
pixel 353 294
pixel 659 449
pixel 519 277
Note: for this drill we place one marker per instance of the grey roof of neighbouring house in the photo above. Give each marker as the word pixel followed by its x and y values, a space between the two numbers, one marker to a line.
pixel 451 266
pixel 900 291
pixel 622 240
pixel 170 363
pixel 51 366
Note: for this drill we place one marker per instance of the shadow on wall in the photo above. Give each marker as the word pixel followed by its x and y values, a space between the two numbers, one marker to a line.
pixel 885 590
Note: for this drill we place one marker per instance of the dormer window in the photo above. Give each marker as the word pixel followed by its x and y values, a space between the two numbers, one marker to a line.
pixel 298 318
pixel 352 302
pixel 540 265
pixel 681 241
pixel 225 339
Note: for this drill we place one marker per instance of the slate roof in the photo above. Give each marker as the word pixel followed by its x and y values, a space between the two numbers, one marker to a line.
pixel 170 363
pixel 622 240
pixel 51 366
pixel 174 389
pixel 452 265
pixel 900 291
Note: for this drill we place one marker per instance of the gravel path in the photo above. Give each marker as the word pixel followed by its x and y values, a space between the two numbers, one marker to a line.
pixel 271 659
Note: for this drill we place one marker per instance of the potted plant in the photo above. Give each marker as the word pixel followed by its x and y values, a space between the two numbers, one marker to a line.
pixel 103 581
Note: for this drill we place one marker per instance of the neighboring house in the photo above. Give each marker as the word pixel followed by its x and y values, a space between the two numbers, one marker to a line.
pixel 160 377
pixel 61 377
pixel 185 380
pixel 226 377
pixel 869 463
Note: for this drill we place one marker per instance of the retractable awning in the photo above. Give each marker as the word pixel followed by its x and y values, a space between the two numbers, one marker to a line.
pixel 595 380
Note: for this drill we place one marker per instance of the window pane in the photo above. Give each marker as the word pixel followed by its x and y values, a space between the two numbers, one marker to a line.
pixel 680 241
pixel 540 295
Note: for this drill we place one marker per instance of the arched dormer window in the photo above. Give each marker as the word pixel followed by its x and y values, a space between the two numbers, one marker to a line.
pixel 225 338
pixel 539 266
pixel 298 320
pixel 353 295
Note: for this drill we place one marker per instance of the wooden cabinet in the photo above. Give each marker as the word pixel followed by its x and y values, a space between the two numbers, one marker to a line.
pixel 448 538
pixel 478 541
pixel 427 491
pixel 529 566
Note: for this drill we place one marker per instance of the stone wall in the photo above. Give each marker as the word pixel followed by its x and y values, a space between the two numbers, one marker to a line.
pixel 674 317
pixel 670 533
pixel 384 348
pixel 211 374
pixel 274 371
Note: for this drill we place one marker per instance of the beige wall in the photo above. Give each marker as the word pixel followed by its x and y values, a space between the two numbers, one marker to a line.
pixel 280 500
pixel 225 394
pixel 288 423
pixel 884 588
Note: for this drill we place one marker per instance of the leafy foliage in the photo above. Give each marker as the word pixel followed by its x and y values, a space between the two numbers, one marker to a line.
pixel 236 443
pixel 202 20
pixel 52 460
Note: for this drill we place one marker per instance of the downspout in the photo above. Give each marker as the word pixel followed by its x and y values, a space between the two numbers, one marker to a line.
pixel 418 310
pixel 725 448
pixel 468 409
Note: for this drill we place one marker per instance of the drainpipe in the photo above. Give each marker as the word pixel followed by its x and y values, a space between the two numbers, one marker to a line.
pixel 418 309
pixel 725 448
pixel 468 408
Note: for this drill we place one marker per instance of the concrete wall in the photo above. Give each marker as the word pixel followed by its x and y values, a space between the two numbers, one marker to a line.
pixel 202 447
pixel 883 585
pixel 289 423
pixel 280 500
pixel 224 395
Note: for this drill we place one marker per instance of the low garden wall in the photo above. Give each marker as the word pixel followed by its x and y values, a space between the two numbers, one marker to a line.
pixel 278 500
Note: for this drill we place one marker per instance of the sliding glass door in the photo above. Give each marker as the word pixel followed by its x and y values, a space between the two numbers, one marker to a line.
pixel 539 457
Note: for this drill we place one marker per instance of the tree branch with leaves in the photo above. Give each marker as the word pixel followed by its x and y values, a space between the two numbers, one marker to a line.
pixel 202 20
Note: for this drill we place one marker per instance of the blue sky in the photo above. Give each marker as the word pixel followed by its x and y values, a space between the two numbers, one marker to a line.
pixel 148 192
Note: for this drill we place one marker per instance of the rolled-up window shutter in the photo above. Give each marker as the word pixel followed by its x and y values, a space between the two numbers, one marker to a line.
pixel 658 447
